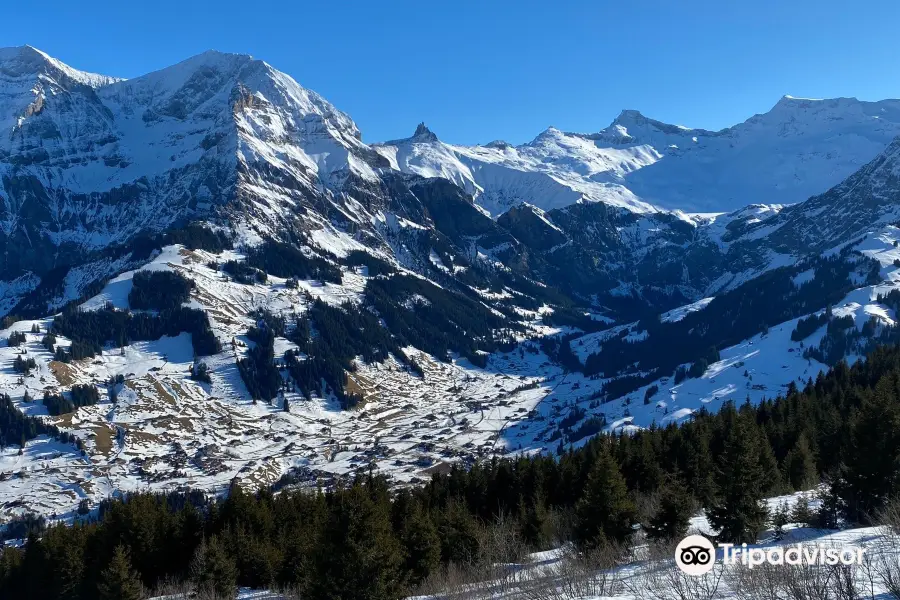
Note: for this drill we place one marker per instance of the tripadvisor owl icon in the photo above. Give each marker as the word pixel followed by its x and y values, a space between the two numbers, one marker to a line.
pixel 695 555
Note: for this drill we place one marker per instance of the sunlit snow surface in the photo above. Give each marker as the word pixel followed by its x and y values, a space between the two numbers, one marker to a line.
pixel 799 148
pixel 167 431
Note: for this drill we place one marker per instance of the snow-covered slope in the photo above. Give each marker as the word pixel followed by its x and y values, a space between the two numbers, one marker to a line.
pixel 583 264
pixel 799 148
pixel 554 170
pixel 87 161
pixel 167 119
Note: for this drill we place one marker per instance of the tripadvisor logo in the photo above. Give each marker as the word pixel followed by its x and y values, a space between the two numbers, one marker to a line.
pixel 695 555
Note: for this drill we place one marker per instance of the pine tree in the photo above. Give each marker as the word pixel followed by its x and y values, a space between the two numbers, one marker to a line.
pixel 10 567
pixel 670 521
pixel 421 546
pixel 119 581
pixel 780 518
pixel 213 571
pixel 698 464
pixel 359 557
pixel 535 522
pixel 800 465
pixel 871 474
pixel 737 510
pixel 801 512
pixel 458 531
pixel 773 483
pixel 605 513
pixel 828 514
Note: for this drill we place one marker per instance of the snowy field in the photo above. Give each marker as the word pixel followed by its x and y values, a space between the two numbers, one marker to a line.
pixel 167 432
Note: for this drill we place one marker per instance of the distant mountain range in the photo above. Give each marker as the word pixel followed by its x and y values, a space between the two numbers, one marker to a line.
pixel 465 301
pixel 799 148
pixel 91 161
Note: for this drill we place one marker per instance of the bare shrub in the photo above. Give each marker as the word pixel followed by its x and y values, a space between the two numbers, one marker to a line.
pixel 500 550
pixel 763 582
pixel 173 589
pixel 492 573
pixel 843 584
pixel 453 581
pixel 808 582
pixel 593 573
pixel 883 557
pixel 797 582
pixel 658 578
pixel 562 526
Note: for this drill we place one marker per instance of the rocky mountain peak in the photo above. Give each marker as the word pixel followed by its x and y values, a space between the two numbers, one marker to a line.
pixel 27 61
pixel 423 134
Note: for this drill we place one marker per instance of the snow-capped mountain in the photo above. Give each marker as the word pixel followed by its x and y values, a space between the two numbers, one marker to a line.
pixel 90 160
pixel 466 301
pixel 799 148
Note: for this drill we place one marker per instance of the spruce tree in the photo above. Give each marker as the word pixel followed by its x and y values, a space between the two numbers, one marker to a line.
pixel 800 465
pixel 670 521
pixel 802 513
pixel 535 522
pixel 771 474
pixel 421 546
pixel 458 531
pixel 828 514
pixel 871 474
pixel 359 557
pixel 605 513
pixel 213 571
pixel 699 466
pixel 780 518
pixel 119 581
pixel 737 510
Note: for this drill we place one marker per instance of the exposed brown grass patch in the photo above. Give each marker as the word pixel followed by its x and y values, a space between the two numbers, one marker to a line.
pixel 217 307
pixel 140 436
pixel 103 439
pixel 189 256
pixel 65 374
pixel 362 386
pixel 170 423
pixel 162 392
pixel 264 475
pixel 179 389
pixel 442 467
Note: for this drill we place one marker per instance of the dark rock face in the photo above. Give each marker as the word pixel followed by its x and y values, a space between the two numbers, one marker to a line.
pixel 534 230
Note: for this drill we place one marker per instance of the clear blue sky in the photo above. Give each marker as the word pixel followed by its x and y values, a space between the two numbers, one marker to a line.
pixel 487 69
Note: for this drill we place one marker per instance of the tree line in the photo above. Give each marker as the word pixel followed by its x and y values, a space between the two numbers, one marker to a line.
pixel 749 309
pixel 360 540
pixel 159 290
pixel 90 330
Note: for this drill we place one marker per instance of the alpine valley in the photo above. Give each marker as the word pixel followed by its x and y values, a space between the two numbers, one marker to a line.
pixel 209 278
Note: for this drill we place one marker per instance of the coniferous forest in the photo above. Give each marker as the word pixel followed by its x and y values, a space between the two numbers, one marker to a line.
pixel 743 312
pixel 90 330
pixel 360 540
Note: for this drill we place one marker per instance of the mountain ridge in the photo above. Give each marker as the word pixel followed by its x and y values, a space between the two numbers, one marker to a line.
pixel 401 307
pixel 800 146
